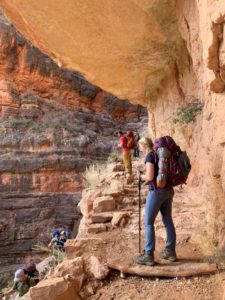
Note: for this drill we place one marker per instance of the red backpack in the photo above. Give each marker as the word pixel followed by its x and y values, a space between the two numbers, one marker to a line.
pixel 131 144
pixel 173 164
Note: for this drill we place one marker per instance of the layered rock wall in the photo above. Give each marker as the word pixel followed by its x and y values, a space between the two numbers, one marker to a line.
pixel 201 25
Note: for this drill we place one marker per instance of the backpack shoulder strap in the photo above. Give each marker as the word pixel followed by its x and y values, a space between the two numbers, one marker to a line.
pixel 155 156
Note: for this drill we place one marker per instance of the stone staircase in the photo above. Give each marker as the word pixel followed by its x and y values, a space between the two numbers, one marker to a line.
pixel 113 203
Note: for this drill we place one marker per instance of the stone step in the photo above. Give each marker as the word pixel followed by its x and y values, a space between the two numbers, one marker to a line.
pixel 98 228
pixel 104 204
pixel 102 217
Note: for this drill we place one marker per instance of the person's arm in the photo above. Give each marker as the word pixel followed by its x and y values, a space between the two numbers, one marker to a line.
pixel 120 144
pixel 9 293
pixel 150 171
pixel 53 240
pixel 32 282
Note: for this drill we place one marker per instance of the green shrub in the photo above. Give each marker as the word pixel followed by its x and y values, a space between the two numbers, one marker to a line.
pixel 37 128
pixel 59 256
pixel 92 175
pixel 188 113
pixel 20 122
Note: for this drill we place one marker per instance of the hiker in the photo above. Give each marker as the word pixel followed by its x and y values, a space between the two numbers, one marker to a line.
pixel 22 284
pixel 136 149
pixel 58 240
pixel 127 143
pixel 55 238
pixel 62 238
pixel 56 233
pixel 158 199
pixel 31 270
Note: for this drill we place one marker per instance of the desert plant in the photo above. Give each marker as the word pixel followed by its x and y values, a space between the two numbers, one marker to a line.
pixel 58 255
pixel 37 128
pixel 20 122
pixel 113 157
pixel 40 247
pixel 188 113
pixel 92 175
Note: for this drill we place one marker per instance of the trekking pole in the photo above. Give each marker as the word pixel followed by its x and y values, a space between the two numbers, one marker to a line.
pixel 139 211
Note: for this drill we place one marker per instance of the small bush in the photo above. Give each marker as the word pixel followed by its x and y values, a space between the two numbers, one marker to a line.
pixel 113 157
pixel 37 128
pixel 20 122
pixel 92 175
pixel 40 247
pixel 59 256
pixel 188 113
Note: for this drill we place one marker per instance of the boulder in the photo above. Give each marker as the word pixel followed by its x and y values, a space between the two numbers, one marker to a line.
pixel 86 204
pixel 116 188
pixel 76 248
pixel 54 289
pixel 103 204
pixel 119 218
pixel 101 217
pixel 97 228
pixel 73 268
pixel 97 268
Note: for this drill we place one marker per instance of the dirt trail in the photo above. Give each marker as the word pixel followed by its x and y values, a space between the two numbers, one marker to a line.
pixel 121 243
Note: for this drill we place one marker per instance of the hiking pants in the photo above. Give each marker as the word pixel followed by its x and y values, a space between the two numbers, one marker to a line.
pixel 127 161
pixel 159 200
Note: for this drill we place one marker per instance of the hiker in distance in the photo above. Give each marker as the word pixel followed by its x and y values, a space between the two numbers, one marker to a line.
pixel 127 144
pixel 158 199
pixel 22 284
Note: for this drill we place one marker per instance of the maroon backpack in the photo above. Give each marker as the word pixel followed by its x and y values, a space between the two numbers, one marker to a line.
pixel 131 144
pixel 178 164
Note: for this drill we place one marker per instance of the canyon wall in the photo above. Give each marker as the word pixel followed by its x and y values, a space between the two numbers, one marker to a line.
pixel 162 54
pixel 53 124
pixel 199 77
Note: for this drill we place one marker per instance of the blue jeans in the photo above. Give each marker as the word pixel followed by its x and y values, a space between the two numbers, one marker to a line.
pixel 159 200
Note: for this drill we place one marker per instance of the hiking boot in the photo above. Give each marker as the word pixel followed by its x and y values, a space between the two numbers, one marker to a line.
pixel 167 255
pixel 145 259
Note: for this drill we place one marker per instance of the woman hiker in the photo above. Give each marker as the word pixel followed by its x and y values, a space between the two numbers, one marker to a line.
pixel 158 199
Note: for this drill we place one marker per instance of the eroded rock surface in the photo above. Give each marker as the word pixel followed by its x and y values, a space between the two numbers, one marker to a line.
pixel 128 49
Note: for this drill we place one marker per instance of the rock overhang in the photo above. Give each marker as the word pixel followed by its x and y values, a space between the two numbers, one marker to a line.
pixel 128 47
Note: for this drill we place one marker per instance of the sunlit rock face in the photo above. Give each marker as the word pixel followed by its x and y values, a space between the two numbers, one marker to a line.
pixel 126 47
